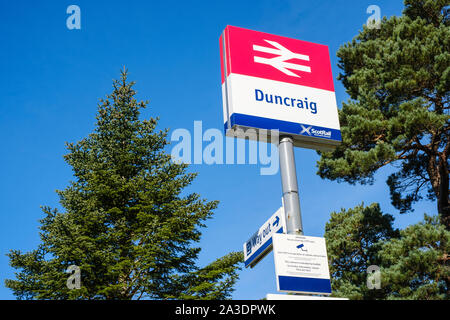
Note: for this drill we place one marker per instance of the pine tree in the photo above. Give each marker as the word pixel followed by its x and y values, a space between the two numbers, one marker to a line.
pixel 398 80
pixel 413 262
pixel 354 238
pixel 415 266
pixel 127 224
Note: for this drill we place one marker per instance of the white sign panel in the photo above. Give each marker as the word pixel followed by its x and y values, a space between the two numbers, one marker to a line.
pixel 260 243
pixel 301 264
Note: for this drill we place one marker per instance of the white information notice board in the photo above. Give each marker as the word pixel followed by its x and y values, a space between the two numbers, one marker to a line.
pixel 301 264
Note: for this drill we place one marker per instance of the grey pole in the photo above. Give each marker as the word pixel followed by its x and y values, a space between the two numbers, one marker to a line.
pixel 290 186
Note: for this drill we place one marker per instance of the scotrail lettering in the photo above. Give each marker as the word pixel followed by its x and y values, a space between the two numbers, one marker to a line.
pixel 321 133
pixel 286 101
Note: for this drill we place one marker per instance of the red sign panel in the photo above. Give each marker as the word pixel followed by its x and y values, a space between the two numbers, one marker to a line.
pixel 267 56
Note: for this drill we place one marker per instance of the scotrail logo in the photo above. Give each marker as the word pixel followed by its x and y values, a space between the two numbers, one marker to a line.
pixel 306 130
pixel 314 132
pixel 283 55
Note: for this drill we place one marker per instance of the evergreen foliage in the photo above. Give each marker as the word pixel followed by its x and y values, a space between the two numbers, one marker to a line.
pixel 413 262
pixel 354 238
pixel 415 266
pixel 127 223
pixel 398 80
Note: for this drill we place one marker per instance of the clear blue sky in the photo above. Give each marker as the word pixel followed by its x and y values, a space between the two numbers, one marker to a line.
pixel 52 79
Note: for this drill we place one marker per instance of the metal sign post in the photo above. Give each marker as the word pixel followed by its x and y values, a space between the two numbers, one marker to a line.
pixel 290 186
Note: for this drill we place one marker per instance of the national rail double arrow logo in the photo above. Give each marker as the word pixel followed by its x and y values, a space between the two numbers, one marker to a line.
pixel 283 55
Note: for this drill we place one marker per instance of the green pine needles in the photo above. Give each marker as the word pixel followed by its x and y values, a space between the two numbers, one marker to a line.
pixel 413 262
pixel 126 224
pixel 398 79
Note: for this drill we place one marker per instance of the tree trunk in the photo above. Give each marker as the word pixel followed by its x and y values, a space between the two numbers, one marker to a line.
pixel 443 196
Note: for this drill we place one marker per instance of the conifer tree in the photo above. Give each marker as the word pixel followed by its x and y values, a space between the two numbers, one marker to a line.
pixel 398 80
pixel 354 239
pixel 127 223
pixel 413 263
